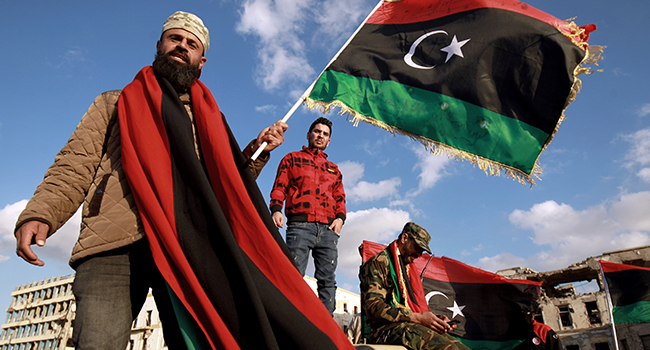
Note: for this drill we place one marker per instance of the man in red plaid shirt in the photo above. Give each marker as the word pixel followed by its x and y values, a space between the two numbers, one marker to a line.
pixel 313 189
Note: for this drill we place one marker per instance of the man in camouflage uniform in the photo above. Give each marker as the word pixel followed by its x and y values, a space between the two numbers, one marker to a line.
pixel 390 321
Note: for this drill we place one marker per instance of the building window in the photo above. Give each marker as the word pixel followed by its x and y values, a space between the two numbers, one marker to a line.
pixel 593 313
pixel 345 307
pixel 602 346
pixel 565 316
pixel 623 344
pixel 356 309
pixel 645 340
pixel 148 320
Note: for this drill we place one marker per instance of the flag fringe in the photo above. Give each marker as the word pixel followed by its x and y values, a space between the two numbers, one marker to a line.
pixel 489 167
pixel 593 54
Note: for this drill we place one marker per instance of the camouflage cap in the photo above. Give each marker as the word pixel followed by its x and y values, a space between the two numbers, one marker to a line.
pixel 419 234
pixel 190 22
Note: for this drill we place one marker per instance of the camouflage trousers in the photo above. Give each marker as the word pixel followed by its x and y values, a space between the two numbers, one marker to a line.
pixel 415 337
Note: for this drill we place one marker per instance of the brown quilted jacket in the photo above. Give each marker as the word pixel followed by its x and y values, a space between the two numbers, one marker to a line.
pixel 89 169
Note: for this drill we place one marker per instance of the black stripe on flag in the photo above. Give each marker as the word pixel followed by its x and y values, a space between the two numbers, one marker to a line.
pixel 518 56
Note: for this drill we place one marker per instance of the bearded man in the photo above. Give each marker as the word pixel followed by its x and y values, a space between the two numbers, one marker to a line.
pixel 170 203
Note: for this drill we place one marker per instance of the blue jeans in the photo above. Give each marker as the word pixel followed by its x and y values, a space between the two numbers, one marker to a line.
pixel 317 237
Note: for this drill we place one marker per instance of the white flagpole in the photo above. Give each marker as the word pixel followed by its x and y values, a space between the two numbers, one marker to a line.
pixel 305 94
pixel 609 304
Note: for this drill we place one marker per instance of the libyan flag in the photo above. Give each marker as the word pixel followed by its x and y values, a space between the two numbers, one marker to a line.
pixel 629 290
pixel 487 306
pixel 482 80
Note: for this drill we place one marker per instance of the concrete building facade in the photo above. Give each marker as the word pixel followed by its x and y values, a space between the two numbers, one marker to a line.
pixel 40 316
pixel 582 320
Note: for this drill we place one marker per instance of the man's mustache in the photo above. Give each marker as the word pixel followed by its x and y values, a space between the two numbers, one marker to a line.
pixel 179 52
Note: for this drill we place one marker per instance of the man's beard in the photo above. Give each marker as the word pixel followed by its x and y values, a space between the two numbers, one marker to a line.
pixel 181 76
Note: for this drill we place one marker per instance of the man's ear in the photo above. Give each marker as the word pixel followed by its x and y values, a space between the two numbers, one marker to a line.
pixel 158 43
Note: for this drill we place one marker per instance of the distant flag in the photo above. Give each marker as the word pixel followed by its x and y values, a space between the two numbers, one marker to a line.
pixel 629 290
pixel 487 306
pixel 482 80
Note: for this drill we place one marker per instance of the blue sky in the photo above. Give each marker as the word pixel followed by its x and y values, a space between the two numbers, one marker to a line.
pixel 594 195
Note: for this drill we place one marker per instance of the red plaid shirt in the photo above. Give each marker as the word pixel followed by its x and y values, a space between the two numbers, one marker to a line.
pixel 311 185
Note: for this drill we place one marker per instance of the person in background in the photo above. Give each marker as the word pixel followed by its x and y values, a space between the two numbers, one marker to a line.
pixel 312 187
pixel 393 310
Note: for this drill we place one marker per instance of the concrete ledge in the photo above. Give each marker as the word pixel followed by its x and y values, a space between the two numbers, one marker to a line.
pixel 379 347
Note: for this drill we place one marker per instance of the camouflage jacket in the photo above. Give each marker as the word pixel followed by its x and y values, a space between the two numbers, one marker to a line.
pixel 312 187
pixel 377 289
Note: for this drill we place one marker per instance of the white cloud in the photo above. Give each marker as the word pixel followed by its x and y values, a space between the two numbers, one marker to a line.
pixel 73 57
pixel 337 18
pixel 466 252
pixel 8 216
pixel 352 173
pixel 640 152
pixel 266 108
pixel 57 247
pixel 644 174
pixel 280 27
pixel 644 110
pixel 501 261
pixel 631 211
pixel 281 51
pixel 367 191
pixel 432 168
pixel 553 223
pixel 570 235
pixel 379 225
pixel 363 191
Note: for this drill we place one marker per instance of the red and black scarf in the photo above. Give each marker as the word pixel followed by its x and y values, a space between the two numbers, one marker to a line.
pixel 210 232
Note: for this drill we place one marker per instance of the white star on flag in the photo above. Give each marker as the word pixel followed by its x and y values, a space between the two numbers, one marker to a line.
pixel 454 48
pixel 457 310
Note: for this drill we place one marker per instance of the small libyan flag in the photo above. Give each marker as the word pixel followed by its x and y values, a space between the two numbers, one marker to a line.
pixel 628 287
pixel 482 80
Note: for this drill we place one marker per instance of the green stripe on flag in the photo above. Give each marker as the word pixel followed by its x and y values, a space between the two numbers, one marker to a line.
pixel 490 345
pixel 437 117
pixel 638 312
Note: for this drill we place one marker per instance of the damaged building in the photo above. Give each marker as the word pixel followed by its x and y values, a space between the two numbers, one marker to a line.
pixel 580 316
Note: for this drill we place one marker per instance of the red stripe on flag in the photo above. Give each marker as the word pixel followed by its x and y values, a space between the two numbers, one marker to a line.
pixel 614 267
pixel 413 11
pixel 447 269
